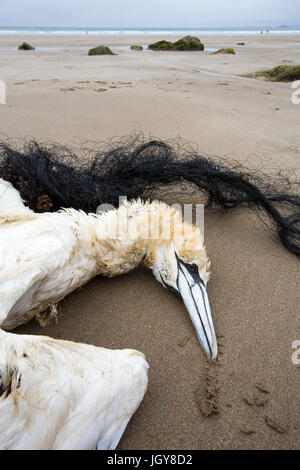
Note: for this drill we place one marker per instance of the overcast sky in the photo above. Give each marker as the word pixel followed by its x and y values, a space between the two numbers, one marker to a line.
pixel 147 13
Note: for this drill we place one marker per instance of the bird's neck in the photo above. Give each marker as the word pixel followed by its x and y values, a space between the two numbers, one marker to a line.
pixel 122 238
pixel 133 234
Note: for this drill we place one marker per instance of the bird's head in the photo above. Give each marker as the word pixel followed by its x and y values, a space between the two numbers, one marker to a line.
pixel 179 262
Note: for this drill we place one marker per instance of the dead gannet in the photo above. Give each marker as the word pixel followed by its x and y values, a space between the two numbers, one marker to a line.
pixel 46 256
pixel 61 395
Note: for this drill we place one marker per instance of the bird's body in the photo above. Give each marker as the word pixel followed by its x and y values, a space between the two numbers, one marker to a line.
pixel 58 394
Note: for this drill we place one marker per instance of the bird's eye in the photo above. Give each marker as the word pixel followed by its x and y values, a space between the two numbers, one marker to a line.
pixel 194 268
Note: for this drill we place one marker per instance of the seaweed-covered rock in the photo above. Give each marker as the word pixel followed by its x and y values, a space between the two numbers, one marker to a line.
pixel 136 48
pixel 189 43
pixel 228 50
pixel 161 46
pixel 281 73
pixel 26 47
pixel 101 50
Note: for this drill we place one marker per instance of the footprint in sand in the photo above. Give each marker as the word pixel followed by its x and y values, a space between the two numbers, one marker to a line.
pixel 246 429
pixel 264 388
pixel 275 423
pixel 253 399
pixel 183 341
pixel 260 398
pixel 291 149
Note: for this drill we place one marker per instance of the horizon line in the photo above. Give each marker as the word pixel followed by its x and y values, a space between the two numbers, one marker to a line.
pixel 151 27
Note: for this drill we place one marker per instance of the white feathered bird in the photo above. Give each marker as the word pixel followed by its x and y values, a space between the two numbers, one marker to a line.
pixel 44 257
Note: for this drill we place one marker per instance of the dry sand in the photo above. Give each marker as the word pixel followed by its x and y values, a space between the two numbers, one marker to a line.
pixel 65 95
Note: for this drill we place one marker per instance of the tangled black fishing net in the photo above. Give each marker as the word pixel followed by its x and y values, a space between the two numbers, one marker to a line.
pixel 51 176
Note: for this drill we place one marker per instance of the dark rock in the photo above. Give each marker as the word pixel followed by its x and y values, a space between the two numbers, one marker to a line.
pixel 228 50
pixel 281 73
pixel 26 47
pixel 101 50
pixel 136 48
pixel 188 43
pixel 161 46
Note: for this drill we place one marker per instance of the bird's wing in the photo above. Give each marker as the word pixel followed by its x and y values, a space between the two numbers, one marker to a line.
pixel 14 290
pixel 62 395
pixel 114 438
pixel 11 203
pixel 114 393
pixel 41 260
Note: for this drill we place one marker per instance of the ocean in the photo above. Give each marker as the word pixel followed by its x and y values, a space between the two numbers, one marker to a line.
pixel 20 30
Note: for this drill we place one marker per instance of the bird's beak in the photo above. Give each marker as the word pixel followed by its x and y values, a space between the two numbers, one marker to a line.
pixel 193 293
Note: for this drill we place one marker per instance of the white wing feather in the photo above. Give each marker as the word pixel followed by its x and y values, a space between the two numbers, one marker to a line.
pixel 62 395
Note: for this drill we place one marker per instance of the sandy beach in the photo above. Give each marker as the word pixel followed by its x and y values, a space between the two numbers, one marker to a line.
pixel 250 398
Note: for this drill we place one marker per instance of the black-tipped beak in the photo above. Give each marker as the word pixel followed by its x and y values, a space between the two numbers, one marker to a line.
pixel 192 290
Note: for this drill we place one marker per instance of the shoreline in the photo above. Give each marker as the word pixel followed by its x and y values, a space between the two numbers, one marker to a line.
pixel 140 31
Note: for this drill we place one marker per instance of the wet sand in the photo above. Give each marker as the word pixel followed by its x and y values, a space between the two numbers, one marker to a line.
pixel 250 398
